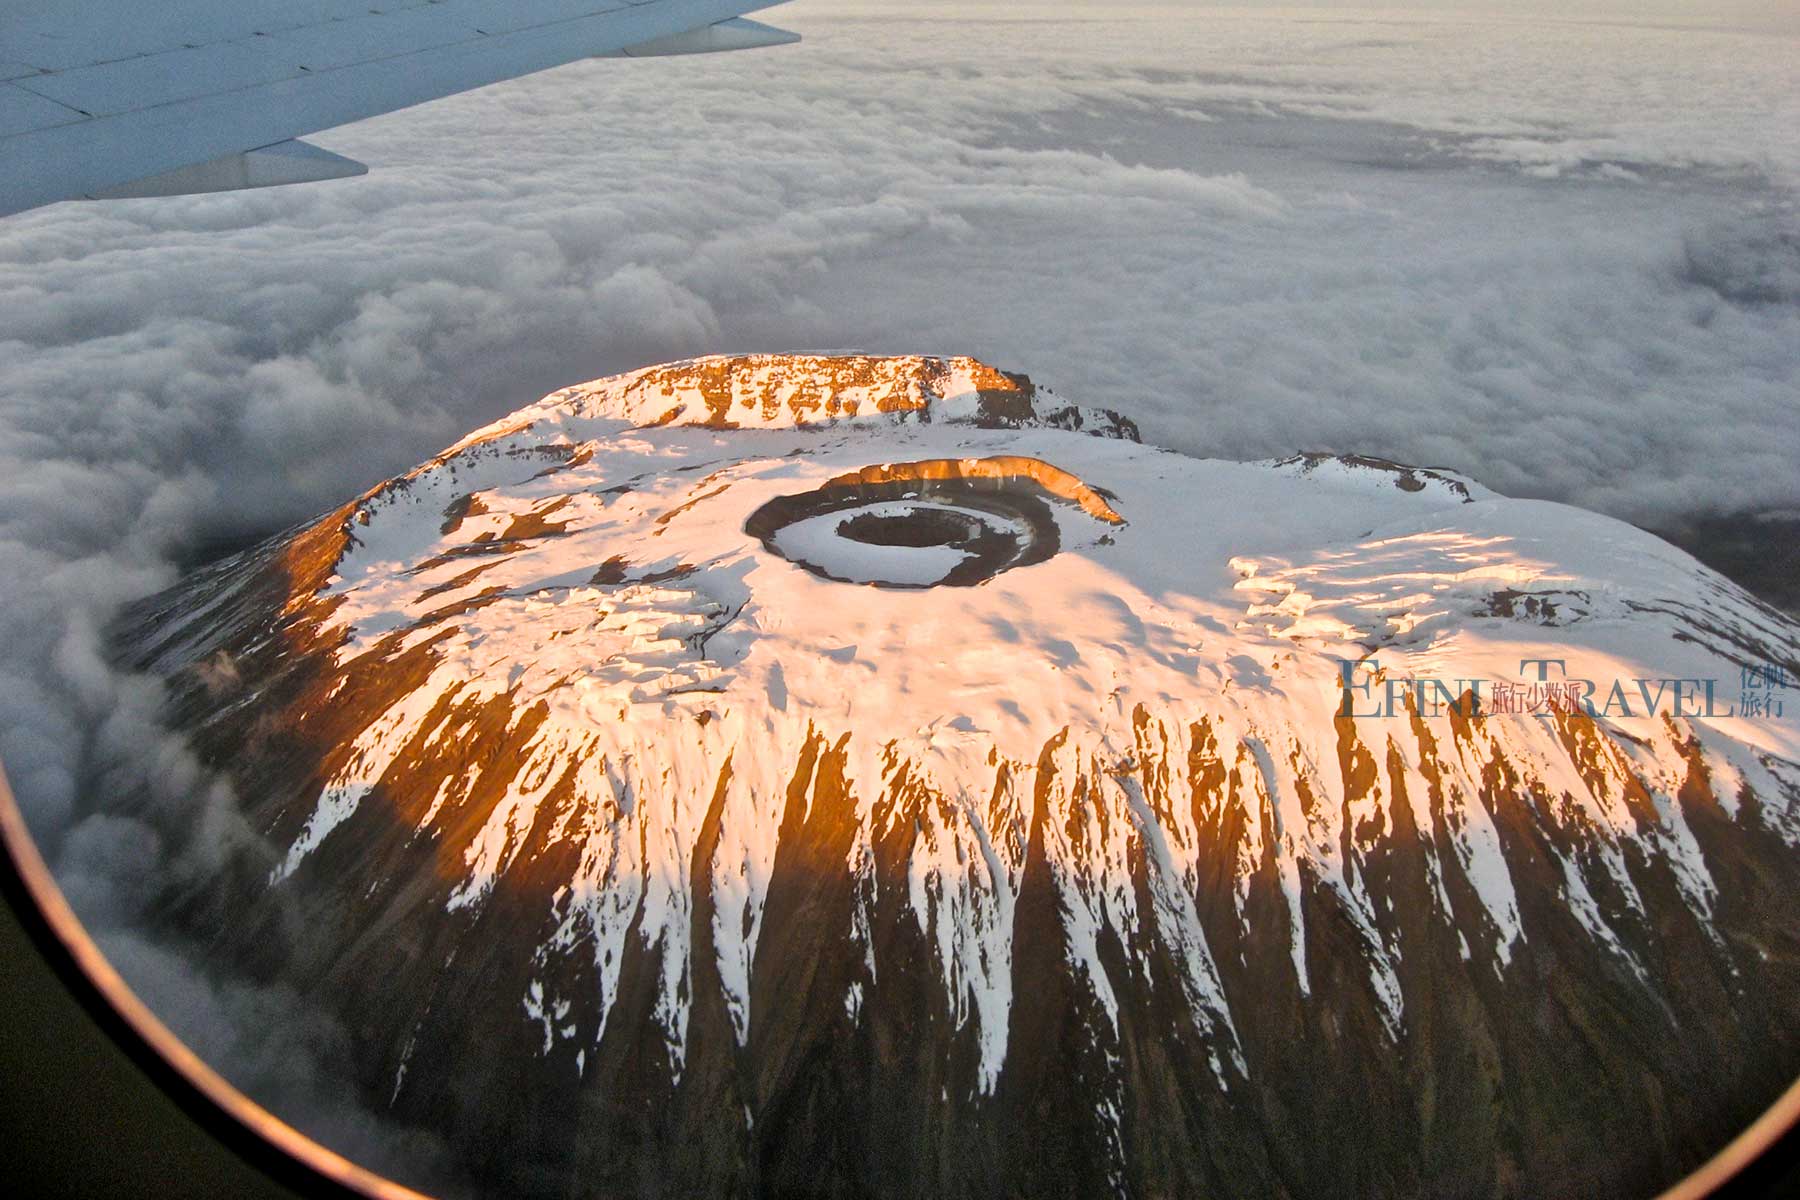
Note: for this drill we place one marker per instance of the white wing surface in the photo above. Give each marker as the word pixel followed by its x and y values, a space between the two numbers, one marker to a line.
pixel 110 98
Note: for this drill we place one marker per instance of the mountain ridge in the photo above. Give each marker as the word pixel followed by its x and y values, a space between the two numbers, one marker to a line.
pixel 721 870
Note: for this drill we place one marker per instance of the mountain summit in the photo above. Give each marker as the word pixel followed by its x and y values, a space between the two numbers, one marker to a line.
pixel 871 776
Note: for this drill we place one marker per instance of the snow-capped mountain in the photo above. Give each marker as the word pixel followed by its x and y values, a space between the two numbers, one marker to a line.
pixel 869 776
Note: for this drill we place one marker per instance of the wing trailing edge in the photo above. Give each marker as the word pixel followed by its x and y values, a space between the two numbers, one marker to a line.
pixel 291 161
pixel 739 33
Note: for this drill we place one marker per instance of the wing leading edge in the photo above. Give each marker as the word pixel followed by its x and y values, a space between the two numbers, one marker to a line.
pixel 209 95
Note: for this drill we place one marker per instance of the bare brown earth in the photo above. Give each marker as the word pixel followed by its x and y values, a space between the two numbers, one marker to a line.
pixel 998 468
pixel 721 382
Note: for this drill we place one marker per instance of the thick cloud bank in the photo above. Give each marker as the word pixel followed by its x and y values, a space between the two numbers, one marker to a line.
pixel 1562 258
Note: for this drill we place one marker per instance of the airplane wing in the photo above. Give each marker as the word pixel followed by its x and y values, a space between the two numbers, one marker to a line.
pixel 111 98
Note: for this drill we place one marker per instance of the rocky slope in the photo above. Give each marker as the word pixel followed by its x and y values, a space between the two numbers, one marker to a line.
pixel 850 776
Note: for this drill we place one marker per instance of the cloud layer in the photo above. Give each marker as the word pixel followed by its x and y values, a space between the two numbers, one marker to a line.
pixel 1563 259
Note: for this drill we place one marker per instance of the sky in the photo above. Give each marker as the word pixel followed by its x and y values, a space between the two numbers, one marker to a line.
pixel 1559 254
